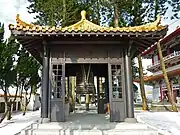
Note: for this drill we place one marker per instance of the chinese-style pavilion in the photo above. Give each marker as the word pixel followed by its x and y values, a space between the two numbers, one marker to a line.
pixel 109 50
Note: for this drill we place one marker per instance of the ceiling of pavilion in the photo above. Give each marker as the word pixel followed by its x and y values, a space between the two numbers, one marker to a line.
pixel 143 36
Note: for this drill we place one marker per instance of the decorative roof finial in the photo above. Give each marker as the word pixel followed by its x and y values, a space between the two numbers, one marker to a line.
pixel 83 15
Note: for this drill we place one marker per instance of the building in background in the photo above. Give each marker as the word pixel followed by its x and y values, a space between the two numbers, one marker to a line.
pixel 34 103
pixel 171 52
pixel 16 106
pixel 137 94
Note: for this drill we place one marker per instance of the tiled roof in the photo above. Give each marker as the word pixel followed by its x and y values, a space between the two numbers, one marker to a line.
pixel 85 26
pixel 163 41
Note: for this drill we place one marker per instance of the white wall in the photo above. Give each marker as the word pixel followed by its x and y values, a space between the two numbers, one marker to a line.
pixel 34 103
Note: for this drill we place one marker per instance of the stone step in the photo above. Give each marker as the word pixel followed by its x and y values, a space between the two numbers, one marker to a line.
pixel 89 132
pixel 74 126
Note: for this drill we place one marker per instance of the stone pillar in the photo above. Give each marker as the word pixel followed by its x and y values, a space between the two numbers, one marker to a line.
pixel 45 85
pixel 129 87
pixel 50 88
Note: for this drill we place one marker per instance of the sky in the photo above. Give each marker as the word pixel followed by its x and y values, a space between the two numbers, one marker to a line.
pixel 10 8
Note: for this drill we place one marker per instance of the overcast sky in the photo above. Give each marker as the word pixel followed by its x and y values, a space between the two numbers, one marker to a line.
pixel 10 8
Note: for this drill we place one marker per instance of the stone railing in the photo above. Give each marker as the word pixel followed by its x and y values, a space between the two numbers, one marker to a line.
pixel 172 55
pixel 175 87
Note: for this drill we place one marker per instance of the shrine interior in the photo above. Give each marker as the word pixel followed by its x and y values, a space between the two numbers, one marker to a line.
pixel 95 95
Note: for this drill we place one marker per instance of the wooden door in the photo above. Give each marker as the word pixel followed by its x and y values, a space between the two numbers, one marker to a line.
pixel 116 93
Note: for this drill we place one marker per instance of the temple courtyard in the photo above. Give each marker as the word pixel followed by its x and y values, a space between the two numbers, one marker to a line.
pixel 83 122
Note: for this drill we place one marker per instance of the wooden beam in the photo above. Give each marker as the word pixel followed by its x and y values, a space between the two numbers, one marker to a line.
pixel 34 45
pixel 140 44
pixel 23 36
pixel 84 42
pixel 150 41
pixel 141 48
pixel 145 42
pixel 151 37
pixel 29 41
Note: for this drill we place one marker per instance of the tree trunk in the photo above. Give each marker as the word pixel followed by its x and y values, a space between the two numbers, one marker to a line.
pixel 4 116
pixel 71 94
pixel 25 104
pixel 9 111
pixel 170 94
pixel 143 94
pixel 98 12
pixel 87 102
pixel 64 12
pixel 24 111
pixel 73 91
pixel 156 8
pixel 116 16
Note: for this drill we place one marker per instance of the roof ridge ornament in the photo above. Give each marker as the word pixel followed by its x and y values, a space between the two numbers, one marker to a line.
pixel 157 21
pixel 83 15
pixel 20 22
pixel 85 25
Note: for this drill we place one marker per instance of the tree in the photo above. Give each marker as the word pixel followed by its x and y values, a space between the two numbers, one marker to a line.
pixel 175 4
pixel 103 12
pixel 18 69
pixel 8 50
pixel 61 12
pixel 27 76
pixel 169 89
pixel 143 94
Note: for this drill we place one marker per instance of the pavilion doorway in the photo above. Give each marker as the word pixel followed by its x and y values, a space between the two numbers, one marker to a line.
pixel 104 87
pixel 87 87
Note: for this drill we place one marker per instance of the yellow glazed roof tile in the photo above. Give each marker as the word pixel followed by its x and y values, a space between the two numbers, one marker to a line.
pixel 85 26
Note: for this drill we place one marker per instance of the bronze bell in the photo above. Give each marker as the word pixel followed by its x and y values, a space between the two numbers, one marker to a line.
pixel 85 81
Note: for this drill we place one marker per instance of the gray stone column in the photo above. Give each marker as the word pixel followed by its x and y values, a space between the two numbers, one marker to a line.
pixel 129 85
pixel 45 85
pixel 50 87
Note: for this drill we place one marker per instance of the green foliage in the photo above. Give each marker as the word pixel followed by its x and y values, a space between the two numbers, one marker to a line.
pixel 60 12
pixel 175 4
pixel 7 59
pixel 130 12
pixel 17 68
pixel 27 68
pixel 1 32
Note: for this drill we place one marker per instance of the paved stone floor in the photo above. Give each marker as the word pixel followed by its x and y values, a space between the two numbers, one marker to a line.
pixel 87 123
pixel 167 123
